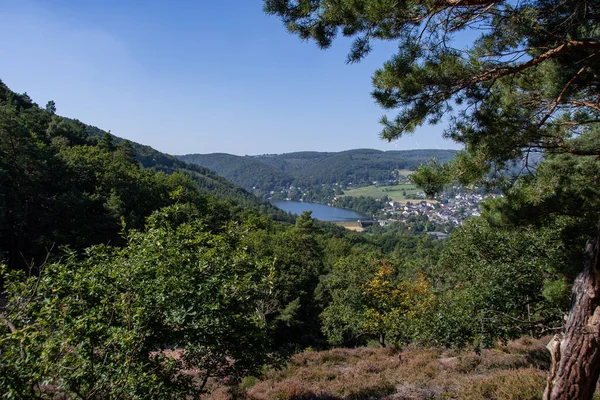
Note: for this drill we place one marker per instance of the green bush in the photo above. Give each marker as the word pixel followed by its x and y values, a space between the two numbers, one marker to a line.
pixel 154 319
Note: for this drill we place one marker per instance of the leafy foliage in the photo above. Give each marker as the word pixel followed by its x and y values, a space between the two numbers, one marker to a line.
pixel 375 298
pixel 498 283
pixel 102 326
pixel 394 308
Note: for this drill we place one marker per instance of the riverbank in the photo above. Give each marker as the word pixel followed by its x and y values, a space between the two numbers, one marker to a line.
pixel 352 226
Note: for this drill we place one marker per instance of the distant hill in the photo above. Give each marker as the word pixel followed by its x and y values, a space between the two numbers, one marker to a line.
pixel 292 162
pixel 270 171
pixel 363 166
pixel 246 172
pixel 207 180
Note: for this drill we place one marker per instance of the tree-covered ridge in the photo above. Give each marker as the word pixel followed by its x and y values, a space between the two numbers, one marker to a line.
pixel 206 180
pixel 295 161
pixel 54 175
pixel 273 171
pixel 247 172
pixel 365 166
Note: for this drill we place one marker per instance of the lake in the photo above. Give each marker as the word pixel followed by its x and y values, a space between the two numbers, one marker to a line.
pixel 321 212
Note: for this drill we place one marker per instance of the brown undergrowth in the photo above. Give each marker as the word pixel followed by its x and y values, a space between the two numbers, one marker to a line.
pixel 513 371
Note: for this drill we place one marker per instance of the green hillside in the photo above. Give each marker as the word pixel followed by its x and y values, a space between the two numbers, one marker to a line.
pixel 293 162
pixel 394 193
pixel 363 166
pixel 246 172
pixel 358 167
pixel 63 182
pixel 207 181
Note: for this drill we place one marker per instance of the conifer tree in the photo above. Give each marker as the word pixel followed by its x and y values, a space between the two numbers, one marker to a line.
pixel 527 82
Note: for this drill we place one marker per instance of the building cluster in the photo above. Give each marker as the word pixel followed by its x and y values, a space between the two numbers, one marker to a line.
pixel 453 209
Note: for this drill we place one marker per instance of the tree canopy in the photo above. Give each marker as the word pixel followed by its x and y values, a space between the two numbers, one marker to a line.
pixel 513 79
pixel 517 77
pixel 155 289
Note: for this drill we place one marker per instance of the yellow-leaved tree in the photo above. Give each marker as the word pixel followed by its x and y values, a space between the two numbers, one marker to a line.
pixel 395 307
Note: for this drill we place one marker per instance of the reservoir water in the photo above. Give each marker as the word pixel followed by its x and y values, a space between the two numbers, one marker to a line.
pixel 321 212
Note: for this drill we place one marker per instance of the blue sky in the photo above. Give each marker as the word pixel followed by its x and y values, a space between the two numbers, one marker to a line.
pixel 200 76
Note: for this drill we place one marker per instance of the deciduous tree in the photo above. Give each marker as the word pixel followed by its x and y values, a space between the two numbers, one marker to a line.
pixel 527 81
pixel 154 319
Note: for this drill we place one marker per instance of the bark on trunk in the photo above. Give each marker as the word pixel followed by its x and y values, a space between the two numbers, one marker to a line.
pixel 382 339
pixel 576 353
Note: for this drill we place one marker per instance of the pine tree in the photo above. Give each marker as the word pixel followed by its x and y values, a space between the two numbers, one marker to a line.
pixel 527 83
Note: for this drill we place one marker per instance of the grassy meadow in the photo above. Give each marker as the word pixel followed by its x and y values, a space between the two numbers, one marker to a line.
pixel 397 193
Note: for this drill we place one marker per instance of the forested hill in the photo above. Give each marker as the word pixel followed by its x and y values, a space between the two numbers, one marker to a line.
pixel 247 172
pixel 63 182
pixel 206 180
pixel 358 166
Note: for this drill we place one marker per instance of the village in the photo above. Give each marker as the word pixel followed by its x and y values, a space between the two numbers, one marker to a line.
pixel 450 208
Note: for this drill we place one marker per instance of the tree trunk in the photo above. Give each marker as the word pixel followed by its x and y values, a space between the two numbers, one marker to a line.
pixel 576 353
pixel 382 339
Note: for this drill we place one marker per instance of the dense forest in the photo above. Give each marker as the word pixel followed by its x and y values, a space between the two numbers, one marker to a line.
pixel 59 172
pixel 129 274
pixel 311 169
pixel 124 267
pixel 109 263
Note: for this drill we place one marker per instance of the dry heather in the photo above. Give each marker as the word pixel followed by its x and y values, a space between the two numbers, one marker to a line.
pixel 514 371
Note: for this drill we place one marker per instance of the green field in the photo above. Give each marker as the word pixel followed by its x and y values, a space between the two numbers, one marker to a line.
pixel 395 193
pixel 405 172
